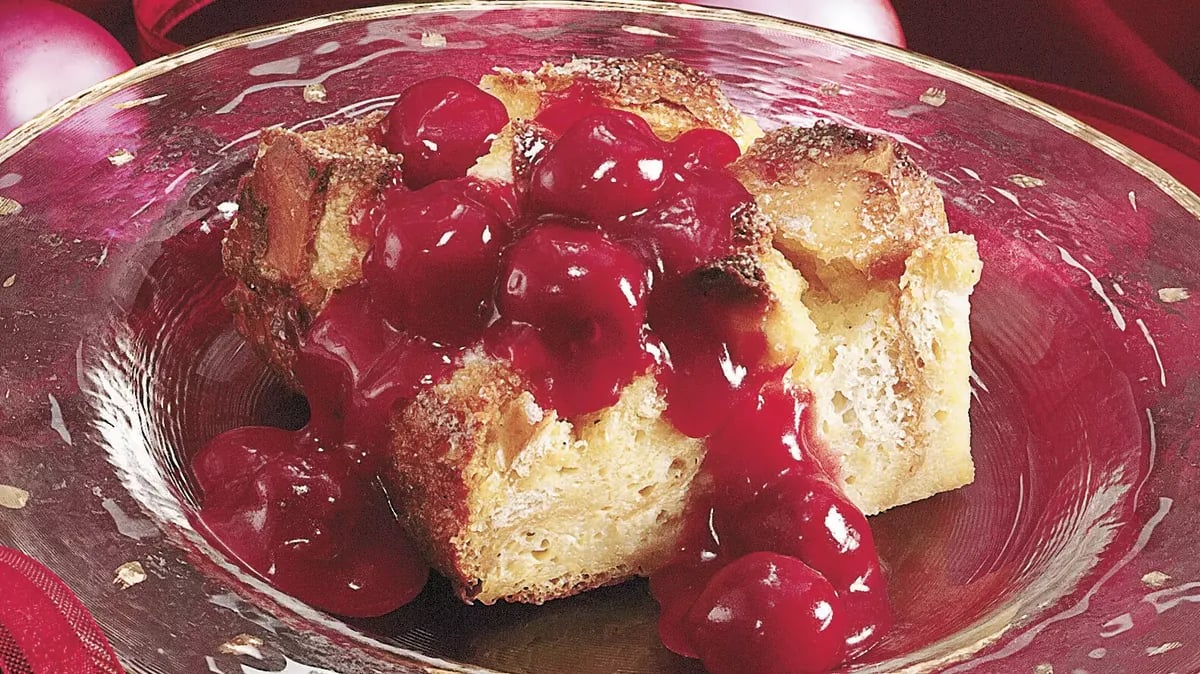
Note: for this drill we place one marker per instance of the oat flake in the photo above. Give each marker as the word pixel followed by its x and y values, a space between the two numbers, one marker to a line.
pixel 125 105
pixel 120 157
pixel 9 206
pixel 1164 648
pixel 829 89
pixel 1025 181
pixel 934 97
pixel 642 30
pixel 13 498
pixel 1172 295
pixel 242 644
pixel 129 574
pixel 314 93
pixel 1155 579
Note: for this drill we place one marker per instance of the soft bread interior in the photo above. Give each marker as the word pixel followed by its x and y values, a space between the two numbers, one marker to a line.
pixel 552 507
pixel 890 301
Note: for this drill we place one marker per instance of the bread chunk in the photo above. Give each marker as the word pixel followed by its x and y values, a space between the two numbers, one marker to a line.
pixel 295 239
pixel 668 94
pixel 514 503
pixel 889 295
pixel 868 302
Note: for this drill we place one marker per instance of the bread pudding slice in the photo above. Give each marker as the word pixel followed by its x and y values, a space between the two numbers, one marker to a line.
pixel 889 295
pixel 867 303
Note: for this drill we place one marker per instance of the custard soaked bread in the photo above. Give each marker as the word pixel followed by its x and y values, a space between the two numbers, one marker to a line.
pixel 889 295
pixel 866 297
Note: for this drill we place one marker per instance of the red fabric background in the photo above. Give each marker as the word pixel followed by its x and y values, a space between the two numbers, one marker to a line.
pixel 1143 53
pixel 1131 68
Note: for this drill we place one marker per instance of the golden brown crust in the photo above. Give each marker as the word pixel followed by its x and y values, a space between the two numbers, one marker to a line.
pixel 436 438
pixel 293 242
pixel 273 320
pixel 465 443
pixel 840 196
pixel 859 219
pixel 655 80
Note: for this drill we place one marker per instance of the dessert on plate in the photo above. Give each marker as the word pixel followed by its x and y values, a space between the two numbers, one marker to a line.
pixel 567 327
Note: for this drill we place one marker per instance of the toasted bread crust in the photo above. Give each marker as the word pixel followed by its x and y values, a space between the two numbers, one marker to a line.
pixel 866 227
pixel 672 96
pixel 294 240
pixel 437 437
pixel 464 443
pixel 842 196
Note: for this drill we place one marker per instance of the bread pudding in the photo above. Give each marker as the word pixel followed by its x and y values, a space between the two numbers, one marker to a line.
pixel 591 322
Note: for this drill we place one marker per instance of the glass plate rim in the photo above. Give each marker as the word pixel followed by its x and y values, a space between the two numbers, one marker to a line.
pixel 1168 184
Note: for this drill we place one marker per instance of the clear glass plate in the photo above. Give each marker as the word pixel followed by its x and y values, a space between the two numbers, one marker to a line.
pixel 1070 552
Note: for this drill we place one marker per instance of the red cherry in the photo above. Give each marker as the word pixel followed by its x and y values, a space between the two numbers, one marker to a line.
pixel 287 500
pixel 441 126
pixel 704 148
pixel 433 262
pixel 604 166
pixel 236 454
pixel 572 306
pixel 768 613
pixel 377 571
pixel 676 589
pixel 291 509
pixel 561 111
pixel 806 516
pixel 691 226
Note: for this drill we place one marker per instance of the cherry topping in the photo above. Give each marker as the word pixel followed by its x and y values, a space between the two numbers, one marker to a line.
pixel 676 590
pixel 806 516
pixel 690 227
pixel 604 166
pixel 704 148
pixel 622 256
pixel 572 307
pixel 717 351
pixel 441 126
pixel 771 494
pixel 355 367
pixel 339 348
pixel 297 515
pixel 561 110
pixel 762 438
pixel 767 613
pixel 434 258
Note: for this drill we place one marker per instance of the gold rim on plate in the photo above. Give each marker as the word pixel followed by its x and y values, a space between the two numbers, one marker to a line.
pixel 1171 186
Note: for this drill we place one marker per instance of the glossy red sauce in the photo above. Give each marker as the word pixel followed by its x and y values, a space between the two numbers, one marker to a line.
pixel 441 125
pixel 600 271
pixel 772 499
